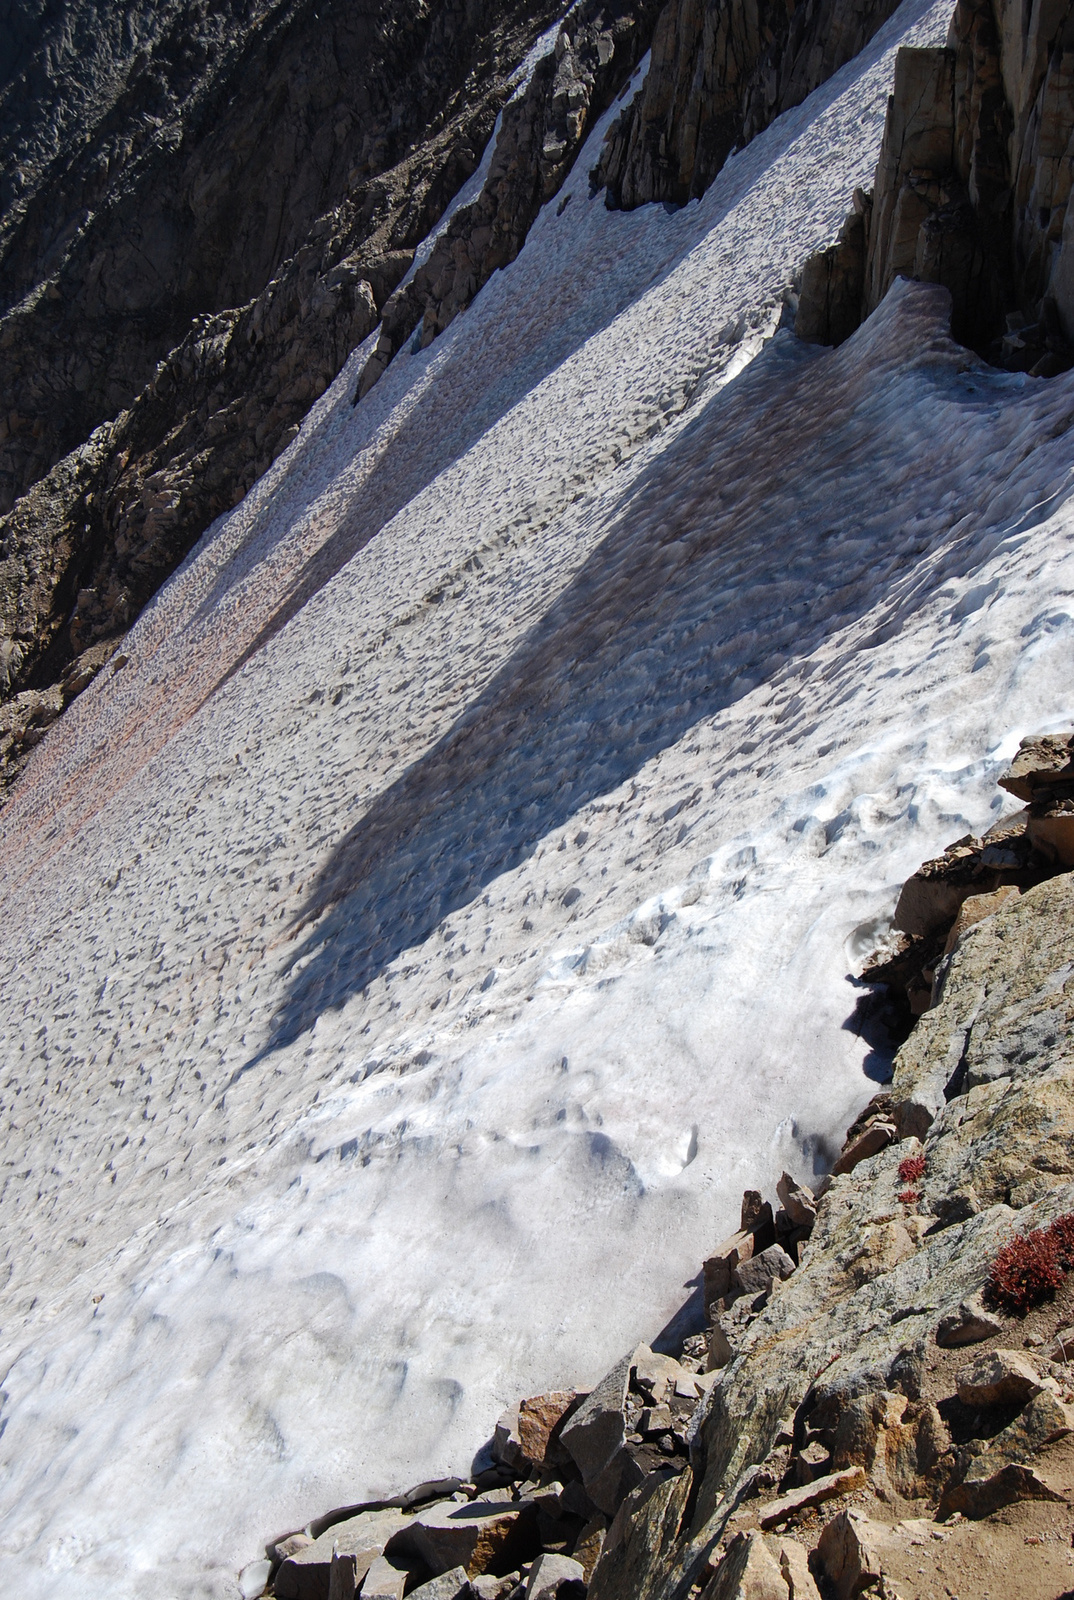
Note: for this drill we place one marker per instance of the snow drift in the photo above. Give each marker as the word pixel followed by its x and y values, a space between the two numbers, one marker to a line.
pixel 446 903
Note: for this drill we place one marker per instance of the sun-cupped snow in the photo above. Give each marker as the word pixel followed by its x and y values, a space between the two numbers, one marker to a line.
pixel 445 906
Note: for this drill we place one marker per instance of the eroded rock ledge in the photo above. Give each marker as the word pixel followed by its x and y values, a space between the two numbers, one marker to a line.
pixel 874 1406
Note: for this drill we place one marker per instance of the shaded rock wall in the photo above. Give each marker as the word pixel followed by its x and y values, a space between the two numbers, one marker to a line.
pixel 721 71
pixel 971 190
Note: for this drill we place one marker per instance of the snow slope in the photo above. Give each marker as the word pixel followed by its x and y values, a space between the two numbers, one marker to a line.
pixel 414 947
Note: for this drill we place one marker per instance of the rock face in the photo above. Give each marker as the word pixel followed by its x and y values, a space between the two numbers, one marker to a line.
pixel 720 73
pixel 971 191
pixel 196 231
pixel 596 49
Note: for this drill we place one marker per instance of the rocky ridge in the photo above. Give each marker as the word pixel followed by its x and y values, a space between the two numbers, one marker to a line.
pixel 829 1431
pixel 971 191
pixel 163 299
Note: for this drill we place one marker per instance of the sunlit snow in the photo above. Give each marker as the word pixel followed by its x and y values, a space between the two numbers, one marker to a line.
pixel 412 951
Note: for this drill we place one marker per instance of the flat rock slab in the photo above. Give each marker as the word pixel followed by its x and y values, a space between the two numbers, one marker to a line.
pixel 812 1494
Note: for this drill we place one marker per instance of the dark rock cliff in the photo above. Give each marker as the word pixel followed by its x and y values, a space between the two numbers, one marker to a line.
pixel 721 71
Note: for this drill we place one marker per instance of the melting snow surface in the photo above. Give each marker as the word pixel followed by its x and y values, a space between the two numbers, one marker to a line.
pixel 414 949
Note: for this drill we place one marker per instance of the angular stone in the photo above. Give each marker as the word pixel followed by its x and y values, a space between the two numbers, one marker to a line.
pixel 655 1419
pixel 718 1267
pixel 305 1573
pixel 813 1494
pixel 968 1325
pixel 343 1577
pixel 595 1437
pixel 479 1535
pixel 537 1419
pixel 980 1497
pixel 590 1543
pixel 548 1572
pixel 1063 1348
pixel 848 1553
pixel 927 904
pixel 756 1213
pixel 383 1581
pixel 1040 763
pixel 873 1138
pixel 655 1374
pixel 998 1378
pixel 291 1544
pixel 798 1201
pixel 833 281
pixel 506 1439
pixel 749 1571
pixel 1044 1420
pixel 448 1586
pixel 643 1534
pixel 759 1273
pixel 975 908
pixel 793 1559
pixel 720 1350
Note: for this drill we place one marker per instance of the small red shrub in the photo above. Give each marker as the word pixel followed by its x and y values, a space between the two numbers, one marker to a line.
pixel 909 1197
pixel 1061 1233
pixel 912 1169
pixel 1025 1272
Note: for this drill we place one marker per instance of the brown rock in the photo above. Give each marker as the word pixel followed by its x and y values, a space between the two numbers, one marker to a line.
pixel 760 1272
pixel 382 1581
pixel 998 1378
pixel 1044 1420
pixel 537 1420
pixel 833 282
pixel 798 1201
pixel 589 1544
pixel 595 1439
pixel 1041 763
pixel 1053 835
pixel 749 1571
pixel 756 1212
pixel 793 1561
pixel 872 1138
pixel 979 1498
pixel 719 1267
pixel 813 1494
pixel 507 1439
pixel 848 1553
pixel 975 908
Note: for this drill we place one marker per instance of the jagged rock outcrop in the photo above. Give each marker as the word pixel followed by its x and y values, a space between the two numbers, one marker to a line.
pixel 205 279
pixel 542 130
pixel 971 191
pixel 720 73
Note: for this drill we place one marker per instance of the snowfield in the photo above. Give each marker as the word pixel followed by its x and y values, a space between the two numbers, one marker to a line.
pixel 414 948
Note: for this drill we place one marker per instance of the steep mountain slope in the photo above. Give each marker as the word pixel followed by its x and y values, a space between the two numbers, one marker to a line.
pixel 444 900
